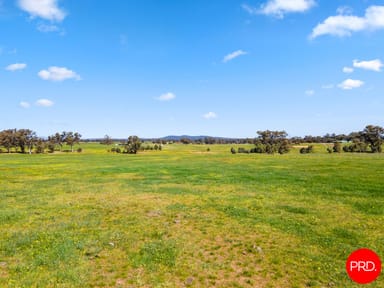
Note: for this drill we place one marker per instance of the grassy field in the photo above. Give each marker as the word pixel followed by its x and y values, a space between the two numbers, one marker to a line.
pixel 185 217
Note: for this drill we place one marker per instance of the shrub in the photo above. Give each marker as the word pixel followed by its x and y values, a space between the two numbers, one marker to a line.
pixel 242 150
pixel 233 151
pixel 337 147
pixel 51 148
pixel 284 147
pixel 259 148
pixel 39 149
pixel 306 150
pixel 79 150
pixel 357 146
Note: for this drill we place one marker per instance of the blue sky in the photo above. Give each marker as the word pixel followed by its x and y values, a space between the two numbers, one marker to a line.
pixel 200 67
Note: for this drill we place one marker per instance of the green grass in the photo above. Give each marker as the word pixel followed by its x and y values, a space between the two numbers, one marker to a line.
pixel 187 217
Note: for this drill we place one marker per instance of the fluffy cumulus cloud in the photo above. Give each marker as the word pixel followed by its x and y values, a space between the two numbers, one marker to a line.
pixel 373 65
pixel 16 66
pixel 234 55
pixel 344 25
pixel 166 97
pixel 46 9
pixel 278 8
pixel 44 103
pixel 58 74
pixel 350 84
pixel 210 115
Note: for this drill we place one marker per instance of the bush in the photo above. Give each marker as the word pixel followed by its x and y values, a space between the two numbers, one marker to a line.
pixel 259 148
pixel 39 149
pixel 306 150
pixel 357 146
pixel 79 150
pixel 242 150
pixel 284 147
pixel 233 151
pixel 51 148
pixel 337 147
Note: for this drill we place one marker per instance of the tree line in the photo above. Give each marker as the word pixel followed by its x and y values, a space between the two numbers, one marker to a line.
pixel 370 139
pixel 27 141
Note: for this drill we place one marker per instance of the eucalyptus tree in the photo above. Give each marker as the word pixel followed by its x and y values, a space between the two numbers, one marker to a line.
pixel 71 138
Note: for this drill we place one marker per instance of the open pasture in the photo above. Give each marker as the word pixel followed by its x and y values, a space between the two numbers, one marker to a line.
pixel 185 217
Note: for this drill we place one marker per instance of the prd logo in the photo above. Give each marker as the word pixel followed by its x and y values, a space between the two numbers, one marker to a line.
pixel 363 266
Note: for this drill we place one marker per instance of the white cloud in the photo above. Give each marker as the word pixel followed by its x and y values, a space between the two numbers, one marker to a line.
pixel 348 70
pixel 234 55
pixel 16 66
pixel 46 9
pixel 24 104
pixel 279 8
pixel 249 9
pixel 374 65
pixel 210 115
pixel 350 84
pixel 310 92
pixel 344 10
pixel 345 25
pixel 58 74
pixel 166 97
pixel 44 103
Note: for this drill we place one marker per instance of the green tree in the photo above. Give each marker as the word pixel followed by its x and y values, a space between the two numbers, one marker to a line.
pixel 26 139
pixel 8 139
pixel 56 139
pixel 373 136
pixel 71 138
pixel 132 145
pixel 272 141
pixel 107 140
pixel 40 146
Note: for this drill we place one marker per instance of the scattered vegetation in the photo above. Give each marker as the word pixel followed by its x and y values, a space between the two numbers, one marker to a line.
pixel 369 140
pixel 184 217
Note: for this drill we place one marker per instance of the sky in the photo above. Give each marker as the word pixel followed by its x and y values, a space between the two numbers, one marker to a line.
pixel 154 68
